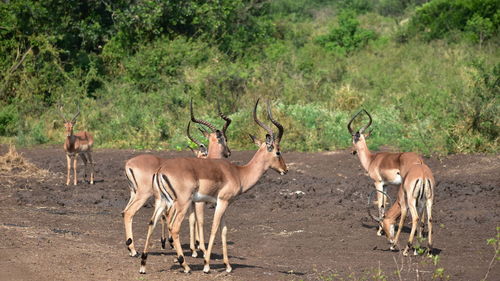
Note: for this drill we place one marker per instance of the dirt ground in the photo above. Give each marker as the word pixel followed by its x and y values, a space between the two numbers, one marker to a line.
pixel 50 231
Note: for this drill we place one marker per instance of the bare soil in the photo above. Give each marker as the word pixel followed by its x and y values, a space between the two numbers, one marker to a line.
pixel 50 231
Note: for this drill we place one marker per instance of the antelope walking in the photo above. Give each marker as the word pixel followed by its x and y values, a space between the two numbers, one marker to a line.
pixel 416 193
pixel 77 144
pixel 140 169
pixel 383 167
pixel 182 181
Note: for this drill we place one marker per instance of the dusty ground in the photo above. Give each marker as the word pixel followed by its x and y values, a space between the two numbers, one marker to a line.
pixel 50 231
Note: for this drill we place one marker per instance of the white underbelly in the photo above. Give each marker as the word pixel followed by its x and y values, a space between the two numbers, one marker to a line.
pixel 198 197
pixel 397 180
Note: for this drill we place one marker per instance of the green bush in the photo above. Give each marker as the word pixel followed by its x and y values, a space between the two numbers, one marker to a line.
pixel 8 120
pixel 441 18
pixel 347 37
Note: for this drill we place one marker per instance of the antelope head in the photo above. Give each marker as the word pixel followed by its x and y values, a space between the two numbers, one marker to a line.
pixel 272 143
pixel 358 137
pixel 387 220
pixel 216 137
pixel 69 124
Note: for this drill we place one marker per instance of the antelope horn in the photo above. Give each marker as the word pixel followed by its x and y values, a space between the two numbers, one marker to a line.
pixel 190 137
pixel 227 119
pixel 276 123
pixel 377 219
pixel 76 115
pixel 61 113
pixel 369 122
pixel 199 121
pixel 269 131
pixel 351 131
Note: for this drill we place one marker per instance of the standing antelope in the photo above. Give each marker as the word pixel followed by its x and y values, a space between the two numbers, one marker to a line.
pixel 416 193
pixel 77 144
pixel 383 167
pixel 140 169
pixel 182 181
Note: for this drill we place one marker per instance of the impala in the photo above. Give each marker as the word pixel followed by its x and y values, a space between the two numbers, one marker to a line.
pixel 182 181
pixel 140 169
pixel 77 144
pixel 383 167
pixel 416 193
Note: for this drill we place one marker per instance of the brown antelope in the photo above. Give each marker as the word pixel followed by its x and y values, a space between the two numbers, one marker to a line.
pixel 383 167
pixel 77 144
pixel 416 193
pixel 182 181
pixel 140 169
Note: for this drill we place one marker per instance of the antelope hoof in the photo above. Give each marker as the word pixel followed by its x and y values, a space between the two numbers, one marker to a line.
pixel 134 254
pixel 379 232
pixel 229 268
pixel 206 269
pixel 405 252
pixel 142 270
pixel 393 248
pixel 194 254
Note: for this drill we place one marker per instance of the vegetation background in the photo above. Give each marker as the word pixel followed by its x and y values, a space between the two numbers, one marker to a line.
pixel 428 71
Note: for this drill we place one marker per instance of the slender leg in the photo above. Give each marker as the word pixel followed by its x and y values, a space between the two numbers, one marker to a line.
pixel 181 208
pixel 224 244
pixel 89 154
pixel 128 217
pixel 68 159
pixel 401 222
pixel 84 159
pixel 163 238
pixel 429 223
pixel 74 169
pixel 200 219
pixel 380 204
pixel 421 224
pixel 172 214
pixel 219 212
pixel 414 223
pixel 192 234
pixel 160 206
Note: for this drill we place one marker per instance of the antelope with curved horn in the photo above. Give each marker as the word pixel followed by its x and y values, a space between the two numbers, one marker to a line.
pixel 383 167
pixel 182 181
pixel 77 144
pixel 416 193
pixel 140 169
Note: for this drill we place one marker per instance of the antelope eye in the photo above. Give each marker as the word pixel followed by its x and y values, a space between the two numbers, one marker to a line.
pixel 278 153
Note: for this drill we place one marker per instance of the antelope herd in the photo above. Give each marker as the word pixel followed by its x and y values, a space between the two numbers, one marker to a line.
pixel 179 185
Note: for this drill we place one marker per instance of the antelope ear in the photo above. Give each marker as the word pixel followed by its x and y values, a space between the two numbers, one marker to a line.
pixel 219 134
pixel 203 149
pixel 269 142
pixel 255 140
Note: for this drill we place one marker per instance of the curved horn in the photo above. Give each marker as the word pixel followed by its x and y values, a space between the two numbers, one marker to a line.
pixel 199 121
pixel 227 119
pixel 76 115
pixel 190 137
pixel 276 123
pixel 377 219
pixel 269 131
pixel 369 122
pixel 351 131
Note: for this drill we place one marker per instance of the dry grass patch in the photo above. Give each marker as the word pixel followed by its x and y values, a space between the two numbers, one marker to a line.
pixel 14 165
